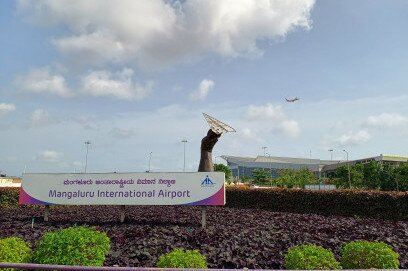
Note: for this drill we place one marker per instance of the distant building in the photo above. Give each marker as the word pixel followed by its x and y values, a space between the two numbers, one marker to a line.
pixel 243 166
pixel 9 181
pixel 330 170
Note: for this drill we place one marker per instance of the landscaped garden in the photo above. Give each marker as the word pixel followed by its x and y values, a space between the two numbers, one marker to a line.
pixel 234 237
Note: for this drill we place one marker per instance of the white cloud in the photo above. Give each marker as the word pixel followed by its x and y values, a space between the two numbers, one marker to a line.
pixel 353 138
pixel 96 47
pixel 386 120
pixel 118 85
pixel 290 128
pixel 6 108
pixel 265 112
pixel 158 32
pixel 232 28
pixel 42 81
pixel 247 133
pixel 273 118
pixel 40 117
pixel 49 156
pixel 203 89
pixel 101 83
pixel 87 122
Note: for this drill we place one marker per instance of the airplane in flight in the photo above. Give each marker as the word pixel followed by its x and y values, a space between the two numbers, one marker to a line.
pixel 292 100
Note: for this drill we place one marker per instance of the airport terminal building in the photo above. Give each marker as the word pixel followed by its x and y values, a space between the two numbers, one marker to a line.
pixel 243 166
pixel 330 170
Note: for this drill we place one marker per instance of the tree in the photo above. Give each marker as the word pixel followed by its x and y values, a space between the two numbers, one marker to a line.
pixel 372 175
pixel 341 180
pixel 260 176
pixel 388 178
pixel 356 176
pixel 402 177
pixel 223 168
pixel 305 176
pixel 295 178
pixel 245 179
pixel 286 178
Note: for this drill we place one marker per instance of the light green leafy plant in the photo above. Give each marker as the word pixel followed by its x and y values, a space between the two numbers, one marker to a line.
pixel 179 258
pixel 310 257
pixel 73 246
pixel 366 255
pixel 14 250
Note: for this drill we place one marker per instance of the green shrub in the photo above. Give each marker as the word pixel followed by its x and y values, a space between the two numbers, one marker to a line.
pixel 73 246
pixel 179 258
pixel 366 255
pixel 310 257
pixel 14 250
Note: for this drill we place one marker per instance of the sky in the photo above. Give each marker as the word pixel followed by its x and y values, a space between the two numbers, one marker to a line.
pixel 134 77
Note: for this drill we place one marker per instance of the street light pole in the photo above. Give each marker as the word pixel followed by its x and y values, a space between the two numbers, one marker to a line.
pixel 331 154
pixel 270 167
pixel 264 148
pixel 87 143
pixel 150 158
pixel 348 168
pixel 184 164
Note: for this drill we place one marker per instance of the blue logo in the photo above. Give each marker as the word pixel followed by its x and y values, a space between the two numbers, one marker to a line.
pixel 207 182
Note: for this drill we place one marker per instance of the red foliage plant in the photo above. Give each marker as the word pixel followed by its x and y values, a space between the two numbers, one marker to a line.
pixel 373 204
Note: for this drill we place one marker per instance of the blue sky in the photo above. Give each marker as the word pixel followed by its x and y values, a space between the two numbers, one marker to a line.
pixel 134 78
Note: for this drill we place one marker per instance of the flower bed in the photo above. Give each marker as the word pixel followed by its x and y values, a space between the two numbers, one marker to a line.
pixel 235 238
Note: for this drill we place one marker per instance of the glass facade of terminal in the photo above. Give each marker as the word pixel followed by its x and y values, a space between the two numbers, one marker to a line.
pixel 244 166
pixel 245 169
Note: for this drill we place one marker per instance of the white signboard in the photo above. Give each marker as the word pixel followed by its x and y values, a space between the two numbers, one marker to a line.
pixel 198 188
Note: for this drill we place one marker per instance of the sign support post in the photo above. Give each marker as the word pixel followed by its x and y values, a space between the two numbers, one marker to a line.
pixel 203 217
pixel 122 213
pixel 46 213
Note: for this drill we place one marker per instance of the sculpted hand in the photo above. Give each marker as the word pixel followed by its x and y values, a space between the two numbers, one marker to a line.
pixel 208 142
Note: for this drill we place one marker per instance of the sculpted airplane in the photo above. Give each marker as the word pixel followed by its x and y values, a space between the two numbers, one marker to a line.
pixel 292 100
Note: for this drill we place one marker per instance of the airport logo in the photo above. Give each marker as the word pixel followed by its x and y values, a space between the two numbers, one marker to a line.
pixel 207 182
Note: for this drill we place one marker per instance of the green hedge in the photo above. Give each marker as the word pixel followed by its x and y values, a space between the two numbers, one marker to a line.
pixel 9 196
pixel 374 204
